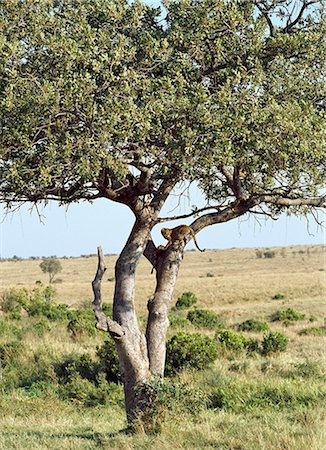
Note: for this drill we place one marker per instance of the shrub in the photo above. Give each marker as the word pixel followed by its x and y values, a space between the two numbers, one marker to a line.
pixel 40 327
pixel 72 364
pixel 205 319
pixel 13 300
pixel 289 314
pixel 49 310
pixel 164 399
pixel 266 394
pixel 269 254
pixel 186 350
pixel 231 340
pixel 186 300
pixel 309 369
pixel 109 361
pixel 253 325
pixel 278 296
pixel 315 331
pixel 39 368
pixel 274 342
pixel 82 322
pixel 177 321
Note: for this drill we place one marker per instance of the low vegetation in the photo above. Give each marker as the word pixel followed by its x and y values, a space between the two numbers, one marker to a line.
pixel 248 382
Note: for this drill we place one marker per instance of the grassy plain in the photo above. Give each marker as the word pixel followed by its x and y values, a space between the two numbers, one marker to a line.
pixel 269 403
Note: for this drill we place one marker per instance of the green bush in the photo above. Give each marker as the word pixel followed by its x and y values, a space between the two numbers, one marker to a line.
pixel 231 340
pixel 289 314
pixel 253 325
pixel 49 310
pixel 205 319
pixel 166 398
pixel 278 296
pixel 37 302
pixel 83 365
pixel 40 327
pixel 109 361
pixel 177 321
pixel 38 368
pixel 81 390
pixel 13 300
pixel 81 322
pixel 274 342
pixel 186 350
pixel 265 394
pixel 186 300
pixel 315 331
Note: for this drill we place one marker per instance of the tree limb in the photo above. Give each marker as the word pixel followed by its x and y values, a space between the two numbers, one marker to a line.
pixel 103 323
pixel 264 10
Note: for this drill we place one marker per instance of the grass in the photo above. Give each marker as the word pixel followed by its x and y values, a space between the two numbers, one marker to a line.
pixel 253 402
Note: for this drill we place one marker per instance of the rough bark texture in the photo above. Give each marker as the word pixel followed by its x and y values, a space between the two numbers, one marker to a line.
pixel 167 268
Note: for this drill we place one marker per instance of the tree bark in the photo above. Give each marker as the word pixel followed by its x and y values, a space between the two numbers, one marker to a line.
pixel 131 346
pixel 167 268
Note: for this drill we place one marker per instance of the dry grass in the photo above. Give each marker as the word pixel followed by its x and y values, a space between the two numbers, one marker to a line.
pixel 241 282
pixel 235 283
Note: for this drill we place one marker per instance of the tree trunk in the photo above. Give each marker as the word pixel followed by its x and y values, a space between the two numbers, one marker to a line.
pixel 131 345
pixel 167 268
pixel 140 357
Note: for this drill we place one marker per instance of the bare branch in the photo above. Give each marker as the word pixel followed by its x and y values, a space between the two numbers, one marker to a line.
pixel 264 10
pixel 300 201
pixel 290 25
pixel 185 216
pixel 103 323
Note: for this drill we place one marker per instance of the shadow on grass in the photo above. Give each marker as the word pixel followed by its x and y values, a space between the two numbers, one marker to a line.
pixel 98 439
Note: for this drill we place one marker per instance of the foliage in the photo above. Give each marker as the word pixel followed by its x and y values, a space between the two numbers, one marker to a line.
pixel 186 350
pixel 186 300
pixel 178 321
pixel 231 340
pixel 253 325
pixel 274 342
pixel 109 361
pixel 315 331
pixel 204 318
pixel 289 314
pixel 72 364
pixel 164 399
pixel 239 100
pixel 81 322
pixel 52 266
pixel 278 296
pixel 245 396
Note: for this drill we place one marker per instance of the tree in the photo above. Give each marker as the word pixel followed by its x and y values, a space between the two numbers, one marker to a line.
pixel 52 266
pixel 104 99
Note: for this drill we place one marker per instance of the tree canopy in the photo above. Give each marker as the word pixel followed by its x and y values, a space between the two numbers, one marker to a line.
pixel 104 98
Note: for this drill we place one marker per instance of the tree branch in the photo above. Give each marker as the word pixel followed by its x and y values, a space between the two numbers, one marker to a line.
pixel 103 323
pixel 290 25
pixel 264 10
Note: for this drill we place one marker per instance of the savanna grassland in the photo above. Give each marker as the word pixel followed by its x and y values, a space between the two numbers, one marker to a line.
pixel 54 391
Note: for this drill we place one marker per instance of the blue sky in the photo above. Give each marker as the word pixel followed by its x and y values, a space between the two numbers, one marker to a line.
pixel 82 227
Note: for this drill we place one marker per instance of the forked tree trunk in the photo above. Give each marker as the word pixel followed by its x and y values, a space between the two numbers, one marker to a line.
pixel 141 357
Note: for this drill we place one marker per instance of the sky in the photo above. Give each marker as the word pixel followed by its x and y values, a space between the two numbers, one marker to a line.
pixel 79 229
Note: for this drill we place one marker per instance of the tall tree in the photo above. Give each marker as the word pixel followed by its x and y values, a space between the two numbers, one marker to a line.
pixel 104 99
